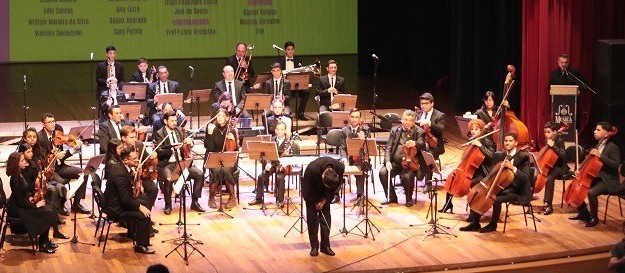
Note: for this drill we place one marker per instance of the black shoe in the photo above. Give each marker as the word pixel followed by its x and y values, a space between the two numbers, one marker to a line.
pixel 61 222
pixel 389 202
pixel 336 199
pixel 302 117
pixel 581 216
pixel 471 227
pixel 592 222
pixel 488 228
pixel 196 207
pixel 80 209
pixel 448 207
pixel 167 210
pixel 548 210
pixel 52 245
pixel 255 202
pixel 153 230
pixel 64 212
pixel 143 250
pixel 314 252
pixel 409 203
pixel 59 235
pixel 46 249
pixel 327 250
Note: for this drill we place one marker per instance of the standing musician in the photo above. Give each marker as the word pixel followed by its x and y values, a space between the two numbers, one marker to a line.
pixel 607 181
pixel 38 217
pixel 216 135
pixel 286 146
pixel 162 86
pixel 277 115
pixel 149 190
pixel 169 156
pixel 121 203
pixel 559 168
pixel 487 147
pixel 279 87
pixel 110 129
pixel 245 62
pixel 234 87
pixel 488 110
pixel 519 163
pixel 355 129
pixel 107 69
pixel 143 73
pixel 329 86
pixel 432 121
pixel 63 172
pixel 290 62
pixel 322 178
pixel 409 135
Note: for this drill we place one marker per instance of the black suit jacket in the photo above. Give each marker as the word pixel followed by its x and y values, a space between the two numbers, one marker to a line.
pixel 101 74
pixel 349 133
pixel 438 128
pixel 313 189
pixel 521 160
pixel 239 90
pixel 560 166
pixel 611 158
pixel 324 84
pixel 165 151
pixel 155 88
pixel 118 196
pixel 297 62
pixel 488 149
pixel 47 146
pixel 137 77
pixel 232 61
pixel 285 85
pixel 106 132
pixel 393 142
pixel 558 77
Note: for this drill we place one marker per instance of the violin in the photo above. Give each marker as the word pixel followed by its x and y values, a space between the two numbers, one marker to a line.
pixel 136 183
pixel 482 196
pixel 230 145
pixel 60 138
pixel 148 169
pixel 41 188
pixel 546 160
pixel 409 161
pixel 430 139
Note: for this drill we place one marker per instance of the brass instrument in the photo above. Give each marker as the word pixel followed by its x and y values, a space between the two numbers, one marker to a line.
pixel 315 68
pixel 241 73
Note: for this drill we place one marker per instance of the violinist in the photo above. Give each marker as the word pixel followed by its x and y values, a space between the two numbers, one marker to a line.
pixel 149 189
pixel 519 163
pixel 487 147
pixel 488 110
pixel 63 172
pixel 169 155
pixel 555 142
pixel 110 129
pixel 216 135
pixel 355 129
pixel 607 182
pixel 277 115
pixel 405 135
pixel 239 57
pixel 431 120
pixel 286 146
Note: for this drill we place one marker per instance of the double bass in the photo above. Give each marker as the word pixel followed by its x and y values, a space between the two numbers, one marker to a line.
pixel 545 161
pixel 507 120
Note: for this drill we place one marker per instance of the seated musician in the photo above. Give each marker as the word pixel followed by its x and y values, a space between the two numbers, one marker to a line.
pixel 279 88
pixel 169 156
pixel 63 172
pixel 149 189
pixel 607 182
pixel 488 110
pixel 120 202
pixel 519 163
pixel 214 142
pixel 38 217
pixel 354 130
pixel 143 73
pixel 277 115
pixel 111 96
pixel 559 168
pixel 234 87
pixel 159 121
pixel 487 147
pixel 111 128
pixel 162 86
pixel 285 146
pixel 329 86
pixel 224 102
pixel 435 120
pixel 409 135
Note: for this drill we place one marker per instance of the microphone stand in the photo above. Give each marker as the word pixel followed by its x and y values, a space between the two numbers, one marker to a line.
pixel 196 101
pixel 576 79
pixel 375 92
pixel 25 107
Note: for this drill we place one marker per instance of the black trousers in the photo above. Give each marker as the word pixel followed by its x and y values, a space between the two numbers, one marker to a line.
pixel 314 220
pixel 303 100
pixel 263 180
pixel 65 173
pixel 554 174
pixel 167 186
pixel 141 229
pixel 598 187
pixel 407 179
pixel 150 191
pixel 503 197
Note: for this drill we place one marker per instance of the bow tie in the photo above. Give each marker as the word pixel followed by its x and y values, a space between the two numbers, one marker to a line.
pixel 289 60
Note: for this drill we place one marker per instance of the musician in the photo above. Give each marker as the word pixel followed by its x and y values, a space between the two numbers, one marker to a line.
pixel 162 86
pixel 277 115
pixel 329 86
pixel 409 135
pixel 107 69
pixel 355 129
pixel 279 87
pixel 559 168
pixel 143 73
pixel 170 156
pixel 63 172
pixel 519 163
pixel 181 119
pixel 216 135
pixel 285 146
pixel 120 202
pixel 233 87
pixel 487 147
pixel 322 178
pixel 224 102
pixel 37 217
pixel 149 190
pixel 246 63
pixel 290 62
pixel 488 110
pixel 607 182
pixel 110 97
pixel 111 129
pixel 435 119
pixel 562 74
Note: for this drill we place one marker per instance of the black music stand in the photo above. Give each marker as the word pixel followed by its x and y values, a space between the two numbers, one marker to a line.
pixel 257 102
pixel 71 193
pixel 135 91
pixel 262 151
pixel 345 101
pixel 178 176
pixel 132 110
pixel 176 99
pixel 92 165
pixel 195 97
pixel 340 119
pixel 297 80
pixel 83 133
pixel 363 148
pixel 221 160
pixel 261 79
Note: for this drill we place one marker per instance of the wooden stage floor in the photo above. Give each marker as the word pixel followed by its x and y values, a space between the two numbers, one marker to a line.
pixel 253 242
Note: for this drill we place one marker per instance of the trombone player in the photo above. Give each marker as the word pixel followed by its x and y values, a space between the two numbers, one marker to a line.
pixel 241 63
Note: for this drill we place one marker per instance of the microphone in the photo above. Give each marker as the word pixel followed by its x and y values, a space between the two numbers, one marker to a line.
pixel 91 56
pixel 24 79
pixel 277 47
pixel 191 67
pixel 375 57
pixel 566 72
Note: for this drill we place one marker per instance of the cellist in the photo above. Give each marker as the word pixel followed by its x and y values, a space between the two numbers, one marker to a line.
pixel 519 162
pixel 560 167
pixel 487 147
pixel 607 182
pixel 216 135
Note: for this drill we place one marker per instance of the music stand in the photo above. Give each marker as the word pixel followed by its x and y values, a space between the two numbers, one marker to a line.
pixel 82 133
pixel 257 102
pixel 262 151
pixel 244 146
pixel 221 160
pixel 345 101
pixel 92 165
pixel 134 91
pixel 132 110
pixel 178 175
pixel 195 97
pixel 71 193
pixel 261 79
pixel 340 119
pixel 297 80
pixel 175 99
pixel 364 148
pixel 463 124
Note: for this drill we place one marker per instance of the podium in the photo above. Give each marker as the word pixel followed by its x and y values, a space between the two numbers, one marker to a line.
pixel 564 108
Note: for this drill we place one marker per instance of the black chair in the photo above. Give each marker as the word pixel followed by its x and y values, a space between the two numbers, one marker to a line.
pixel 524 200
pixel 619 195
pixel 102 216
pixel 333 138
pixel 17 227
pixel 324 121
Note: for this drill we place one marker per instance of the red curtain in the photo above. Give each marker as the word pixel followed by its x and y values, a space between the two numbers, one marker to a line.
pixel 553 27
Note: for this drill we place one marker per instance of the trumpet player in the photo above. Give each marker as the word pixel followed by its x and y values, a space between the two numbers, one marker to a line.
pixel 241 63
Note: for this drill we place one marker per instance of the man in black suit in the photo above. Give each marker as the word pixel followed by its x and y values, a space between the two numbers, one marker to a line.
pixel 162 86
pixel 279 88
pixel 246 63
pixel 233 87
pixel 149 189
pixel 107 69
pixel 120 202
pixel 290 62
pixel 430 117
pixel 354 130
pixel 409 135
pixel 519 163
pixel 63 172
pixel 321 180
pixel 169 154
pixel 329 86
pixel 144 73
pixel 608 181
pixel 110 129
pixel 562 75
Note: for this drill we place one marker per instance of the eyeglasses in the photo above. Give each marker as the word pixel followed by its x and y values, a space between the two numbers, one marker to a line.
pixel 50 122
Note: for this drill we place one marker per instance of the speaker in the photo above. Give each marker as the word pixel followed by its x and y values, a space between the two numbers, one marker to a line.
pixel 610 78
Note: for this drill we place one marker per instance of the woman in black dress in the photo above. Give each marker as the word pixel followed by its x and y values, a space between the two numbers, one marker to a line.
pixel 216 135
pixel 37 217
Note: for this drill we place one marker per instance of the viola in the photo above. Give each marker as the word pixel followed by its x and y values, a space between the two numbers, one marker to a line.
pixel 41 188
pixel 230 145
pixel 431 140
pixel 546 160
pixel 136 183
pixel 409 161
pixel 148 170
pixel 482 196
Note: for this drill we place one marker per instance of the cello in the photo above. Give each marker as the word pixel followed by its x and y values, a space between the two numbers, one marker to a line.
pixel 508 122
pixel 545 161
pixel 482 196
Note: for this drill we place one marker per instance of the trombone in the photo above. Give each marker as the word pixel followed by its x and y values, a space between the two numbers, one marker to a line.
pixel 241 73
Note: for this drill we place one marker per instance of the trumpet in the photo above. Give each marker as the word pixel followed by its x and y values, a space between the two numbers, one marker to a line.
pixel 315 68
pixel 241 73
